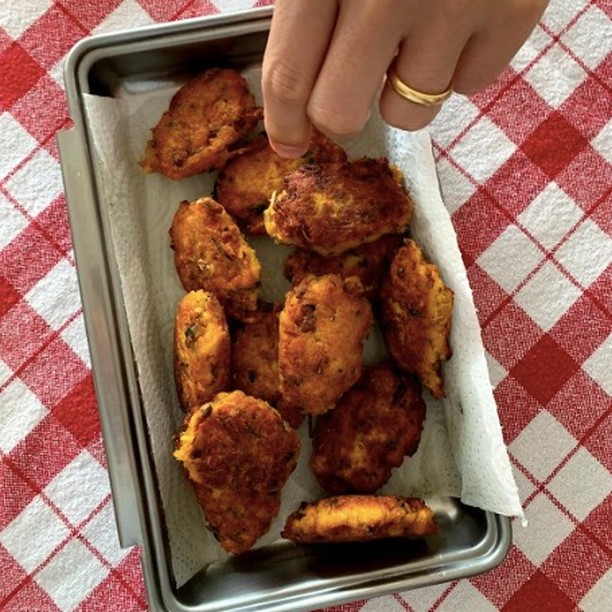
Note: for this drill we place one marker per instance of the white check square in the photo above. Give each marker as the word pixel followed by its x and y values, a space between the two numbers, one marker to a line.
pixel 37 183
pixel 26 541
pixel 542 445
pixel 483 150
pixel 17 17
pixel 547 527
pixel 581 484
pixel 71 575
pixel 510 259
pixel 550 215
pixel 56 296
pixel 79 488
pixel 21 412
pixel 586 253
pixel 599 365
pixel 547 296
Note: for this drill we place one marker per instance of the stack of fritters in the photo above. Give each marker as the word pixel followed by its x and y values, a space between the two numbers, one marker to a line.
pixel 247 372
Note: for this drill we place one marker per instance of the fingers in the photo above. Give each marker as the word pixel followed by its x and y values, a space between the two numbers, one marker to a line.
pixel 298 41
pixel 491 49
pixel 426 62
pixel 363 44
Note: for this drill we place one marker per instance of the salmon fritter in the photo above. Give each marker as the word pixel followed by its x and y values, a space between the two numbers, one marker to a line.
pixel 322 327
pixel 359 518
pixel 367 261
pixel 203 127
pixel 416 310
pixel 201 349
pixel 331 208
pixel 254 362
pixel 238 453
pixel 374 425
pixel 246 182
pixel 210 253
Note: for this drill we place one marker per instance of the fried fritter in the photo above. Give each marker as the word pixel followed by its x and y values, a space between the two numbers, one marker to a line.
pixel 415 314
pixel 359 518
pixel 331 208
pixel 210 253
pixel 247 181
pixel 373 427
pixel 200 131
pixel 367 261
pixel 238 454
pixel 201 349
pixel 254 363
pixel 321 331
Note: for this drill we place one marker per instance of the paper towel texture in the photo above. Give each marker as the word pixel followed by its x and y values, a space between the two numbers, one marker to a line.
pixel 462 452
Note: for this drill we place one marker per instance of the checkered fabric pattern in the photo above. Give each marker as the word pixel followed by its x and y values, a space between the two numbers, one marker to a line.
pixel 525 169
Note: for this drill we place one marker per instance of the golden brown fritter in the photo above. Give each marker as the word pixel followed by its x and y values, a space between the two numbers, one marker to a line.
pixel 210 253
pixel 201 349
pixel 238 454
pixel 247 181
pixel 321 331
pixel 367 261
pixel 203 125
pixel 374 425
pixel 331 208
pixel 254 363
pixel 359 518
pixel 416 310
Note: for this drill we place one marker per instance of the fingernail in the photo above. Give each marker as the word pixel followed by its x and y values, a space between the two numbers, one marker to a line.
pixel 288 150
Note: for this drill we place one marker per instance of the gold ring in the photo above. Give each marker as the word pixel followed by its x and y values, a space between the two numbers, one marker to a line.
pixel 414 95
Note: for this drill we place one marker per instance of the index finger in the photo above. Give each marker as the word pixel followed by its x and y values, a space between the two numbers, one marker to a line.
pixel 298 40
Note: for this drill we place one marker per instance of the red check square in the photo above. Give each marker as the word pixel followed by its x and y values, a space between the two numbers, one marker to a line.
pixel 18 74
pixel 544 369
pixel 516 407
pixel 77 412
pixel 9 296
pixel 554 144
pixel 540 593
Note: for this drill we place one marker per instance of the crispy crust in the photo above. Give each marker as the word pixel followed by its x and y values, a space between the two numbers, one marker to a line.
pixel 247 181
pixel 321 331
pixel 373 427
pixel 206 119
pixel 210 253
pixel 238 454
pixel 367 261
pixel 201 349
pixel 415 314
pixel 359 518
pixel 332 208
pixel 254 363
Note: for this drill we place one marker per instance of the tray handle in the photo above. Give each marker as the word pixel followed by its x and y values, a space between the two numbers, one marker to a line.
pixel 100 317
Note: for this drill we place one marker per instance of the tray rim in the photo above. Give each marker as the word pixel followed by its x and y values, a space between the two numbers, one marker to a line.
pixel 136 505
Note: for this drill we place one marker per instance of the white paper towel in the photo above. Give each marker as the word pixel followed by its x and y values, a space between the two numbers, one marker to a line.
pixel 462 452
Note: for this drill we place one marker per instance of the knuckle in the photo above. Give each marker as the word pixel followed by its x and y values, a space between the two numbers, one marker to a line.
pixel 285 82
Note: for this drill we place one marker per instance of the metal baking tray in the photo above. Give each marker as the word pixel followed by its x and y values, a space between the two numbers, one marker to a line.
pixel 280 576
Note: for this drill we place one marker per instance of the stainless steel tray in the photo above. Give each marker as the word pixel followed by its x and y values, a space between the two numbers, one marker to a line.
pixel 280 576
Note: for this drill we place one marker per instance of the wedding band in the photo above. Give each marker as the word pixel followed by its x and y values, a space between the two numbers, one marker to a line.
pixel 414 95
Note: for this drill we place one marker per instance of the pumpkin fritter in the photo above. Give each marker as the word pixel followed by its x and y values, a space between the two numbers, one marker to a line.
pixel 238 453
pixel 331 208
pixel 254 362
pixel 415 315
pixel 210 253
pixel 201 349
pixel 359 518
pixel 373 427
pixel 321 331
pixel 244 185
pixel 366 261
pixel 203 126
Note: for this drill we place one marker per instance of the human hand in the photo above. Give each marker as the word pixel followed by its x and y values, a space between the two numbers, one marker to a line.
pixel 326 59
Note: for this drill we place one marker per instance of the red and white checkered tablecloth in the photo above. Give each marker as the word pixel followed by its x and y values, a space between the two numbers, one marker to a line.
pixel 526 170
